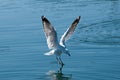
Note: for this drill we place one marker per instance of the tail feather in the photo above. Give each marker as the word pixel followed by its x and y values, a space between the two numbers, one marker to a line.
pixel 49 53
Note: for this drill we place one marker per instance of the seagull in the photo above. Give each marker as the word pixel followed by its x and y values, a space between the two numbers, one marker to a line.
pixel 57 47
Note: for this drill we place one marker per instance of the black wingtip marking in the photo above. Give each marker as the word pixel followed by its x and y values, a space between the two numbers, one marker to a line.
pixel 44 19
pixel 77 19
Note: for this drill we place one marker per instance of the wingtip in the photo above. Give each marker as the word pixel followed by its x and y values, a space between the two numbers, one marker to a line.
pixel 78 17
pixel 44 19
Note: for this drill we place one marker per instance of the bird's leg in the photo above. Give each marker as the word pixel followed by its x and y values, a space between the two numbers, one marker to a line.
pixel 60 69
pixel 59 60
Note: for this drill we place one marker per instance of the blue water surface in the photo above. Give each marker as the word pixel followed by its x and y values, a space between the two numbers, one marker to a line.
pixel 94 47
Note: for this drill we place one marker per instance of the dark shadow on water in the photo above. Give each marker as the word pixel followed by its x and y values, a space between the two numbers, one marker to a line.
pixel 59 75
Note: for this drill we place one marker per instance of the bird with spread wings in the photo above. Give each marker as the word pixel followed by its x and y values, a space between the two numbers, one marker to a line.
pixel 54 45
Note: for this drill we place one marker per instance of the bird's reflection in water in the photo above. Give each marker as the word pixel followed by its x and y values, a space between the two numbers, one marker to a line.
pixel 52 75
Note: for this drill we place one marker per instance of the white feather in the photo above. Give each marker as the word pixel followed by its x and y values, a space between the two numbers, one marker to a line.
pixel 52 40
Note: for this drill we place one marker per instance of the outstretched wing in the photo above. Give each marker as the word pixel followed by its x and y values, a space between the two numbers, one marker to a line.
pixel 50 33
pixel 69 31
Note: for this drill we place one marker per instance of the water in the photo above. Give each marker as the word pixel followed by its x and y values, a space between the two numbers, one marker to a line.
pixel 95 46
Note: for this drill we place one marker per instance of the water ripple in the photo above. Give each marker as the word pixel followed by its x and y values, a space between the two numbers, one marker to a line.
pixel 105 32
